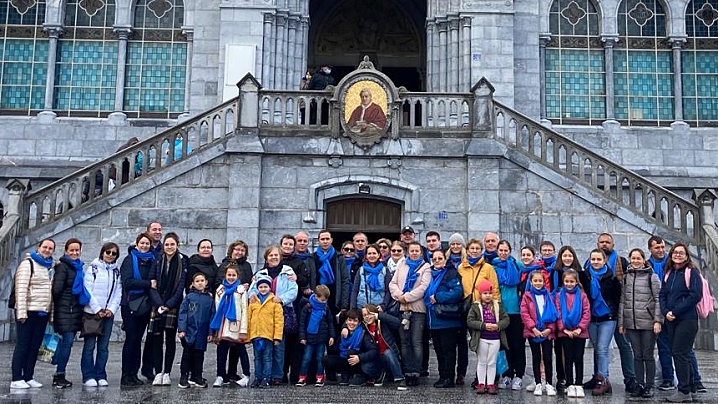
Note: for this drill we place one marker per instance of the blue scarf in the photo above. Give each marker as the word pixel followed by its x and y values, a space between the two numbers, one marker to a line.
pixel 352 342
pixel 349 261
pixel 262 298
pixel 599 308
pixel 372 279
pixel 573 317
pixel 489 256
pixel 527 271
pixel 46 262
pixel 658 266
pixel 549 312
pixel 455 260
pixel 413 273
pixel 473 261
pixel 78 285
pixel 612 259
pixel 136 256
pixel 326 273
pixel 227 308
pixel 317 314
pixel 360 254
pixel 506 271
pixel 303 256
pixel 437 275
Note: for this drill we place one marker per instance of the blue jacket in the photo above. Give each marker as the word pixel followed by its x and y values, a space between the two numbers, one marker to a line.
pixel 326 327
pixel 675 296
pixel 286 289
pixel 450 291
pixel 195 314
pixel 361 291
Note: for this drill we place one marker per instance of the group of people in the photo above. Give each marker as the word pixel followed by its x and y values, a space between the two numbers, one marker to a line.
pixel 365 315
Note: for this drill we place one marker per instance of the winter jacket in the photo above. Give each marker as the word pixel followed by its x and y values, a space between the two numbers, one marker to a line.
pixel 103 282
pixel 67 315
pixel 205 265
pixel 129 283
pixel 266 320
pixel 245 271
pixel 640 302
pixel 414 297
pixel 233 331
pixel 388 325
pixel 340 294
pixel 528 316
pixel 475 323
pixel 176 290
pixel 195 314
pixel 300 269
pixel 678 298
pixel 361 290
pixel 585 314
pixel 32 293
pixel 611 292
pixel 469 279
pixel 285 289
pixel 449 292
pixel 326 326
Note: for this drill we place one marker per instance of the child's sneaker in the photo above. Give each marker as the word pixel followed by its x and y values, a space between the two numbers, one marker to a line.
pixel 344 380
pixel 579 392
pixel 257 381
pixel 302 381
pixel 505 383
pixel 201 383
pixel 380 381
pixel 244 381
pixel 550 390
pixel 402 385
pixel 538 390
pixel 264 384
pixel 531 386
pixel 491 389
pixel 183 383
pixel 517 383
pixel 481 388
pixel 218 382
pixel 320 381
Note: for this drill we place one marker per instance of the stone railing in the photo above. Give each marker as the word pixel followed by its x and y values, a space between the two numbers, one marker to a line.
pixel 8 232
pixel 137 161
pixel 295 109
pixel 435 111
pixel 624 187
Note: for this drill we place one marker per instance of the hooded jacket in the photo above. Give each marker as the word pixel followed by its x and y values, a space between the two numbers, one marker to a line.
pixel 99 279
pixel 640 301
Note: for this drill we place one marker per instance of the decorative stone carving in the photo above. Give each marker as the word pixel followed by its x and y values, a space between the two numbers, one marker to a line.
pixel 707 14
pixel 641 14
pixel 394 163
pixel 573 13
pixel 22 5
pixel 91 7
pixel 335 162
pixel 159 7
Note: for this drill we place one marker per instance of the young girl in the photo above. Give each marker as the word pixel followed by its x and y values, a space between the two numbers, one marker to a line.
pixel 229 324
pixel 574 315
pixel 538 313
pixel 487 321
pixel 381 327
pixel 639 316
pixel 266 329
pixel 528 265
pixel 195 315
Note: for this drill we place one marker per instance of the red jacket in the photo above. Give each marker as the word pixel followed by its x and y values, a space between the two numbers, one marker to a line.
pixel 528 316
pixel 585 314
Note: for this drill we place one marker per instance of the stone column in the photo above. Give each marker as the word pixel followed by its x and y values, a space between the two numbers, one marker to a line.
pixel 454 54
pixel 280 57
pixel 118 117
pixel 53 32
pixel 293 75
pixel 443 54
pixel 430 56
pixel 465 52
pixel 268 51
pixel 544 39
pixel 189 33
pixel 304 46
pixel 608 42
pixel 676 45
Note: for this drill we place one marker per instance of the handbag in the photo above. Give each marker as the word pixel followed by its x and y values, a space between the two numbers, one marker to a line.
pixel 139 304
pixel 392 308
pixel 91 325
pixel 448 311
pixel 469 300
pixel 290 320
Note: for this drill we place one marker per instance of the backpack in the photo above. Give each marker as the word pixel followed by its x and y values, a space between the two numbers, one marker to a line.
pixel 705 306
pixel 11 300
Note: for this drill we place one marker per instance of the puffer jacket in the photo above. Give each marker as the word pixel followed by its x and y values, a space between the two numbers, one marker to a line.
pixel 99 279
pixel 449 292
pixel 205 265
pixel 640 306
pixel 67 316
pixel 284 288
pixel 266 320
pixel 361 290
pixel 414 297
pixel 32 293
pixel 471 276
pixel 476 325
pixel 127 274
pixel 195 314
pixel 233 331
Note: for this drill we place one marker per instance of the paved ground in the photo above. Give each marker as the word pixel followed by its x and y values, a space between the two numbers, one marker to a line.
pixel 329 394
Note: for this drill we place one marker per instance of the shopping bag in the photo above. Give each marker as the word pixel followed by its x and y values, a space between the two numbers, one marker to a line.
pixel 502 365
pixel 49 344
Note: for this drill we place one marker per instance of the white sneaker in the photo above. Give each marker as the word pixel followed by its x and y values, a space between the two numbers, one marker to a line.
pixel 517 384
pixel 158 380
pixel 579 392
pixel 166 381
pixel 571 391
pixel 19 384
pixel 90 383
pixel 102 383
pixel 538 390
pixel 531 386
pixel 218 382
pixel 244 381
pixel 505 383
pixel 34 384
pixel 550 390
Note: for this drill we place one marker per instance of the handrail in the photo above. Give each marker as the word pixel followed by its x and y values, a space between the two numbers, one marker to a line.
pixel 435 110
pixel 8 232
pixel 105 177
pixel 620 185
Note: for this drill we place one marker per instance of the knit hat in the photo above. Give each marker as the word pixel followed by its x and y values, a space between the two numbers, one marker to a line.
pixel 485 286
pixel 264 279
pixel 456 238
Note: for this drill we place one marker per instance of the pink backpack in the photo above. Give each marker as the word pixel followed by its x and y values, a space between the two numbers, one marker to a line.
pixel 705 306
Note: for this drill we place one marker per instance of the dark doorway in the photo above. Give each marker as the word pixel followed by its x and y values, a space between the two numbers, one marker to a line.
pixel 376 218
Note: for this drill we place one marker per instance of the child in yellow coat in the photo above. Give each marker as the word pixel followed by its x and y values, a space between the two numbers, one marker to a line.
pixel 266 324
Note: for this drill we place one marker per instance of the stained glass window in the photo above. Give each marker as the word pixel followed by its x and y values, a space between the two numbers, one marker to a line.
pixel 699 64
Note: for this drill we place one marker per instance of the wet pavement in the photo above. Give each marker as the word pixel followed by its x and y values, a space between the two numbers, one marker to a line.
pixel 425 393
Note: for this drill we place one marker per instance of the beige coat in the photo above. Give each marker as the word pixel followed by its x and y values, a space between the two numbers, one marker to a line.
pixel 32 293
pixel 415 297
pixel 233 331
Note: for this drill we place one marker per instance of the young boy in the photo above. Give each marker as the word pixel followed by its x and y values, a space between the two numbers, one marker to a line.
pixel 195 314
pixel 266 324
pixel 358 355
pixel 316 330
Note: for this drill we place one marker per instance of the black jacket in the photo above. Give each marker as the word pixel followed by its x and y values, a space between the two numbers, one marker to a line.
pixel 320 81
pixel 326 327
pixel 675 296
pixel 128 276
pixel 173 297
pixel 340 296
pixel 67 310
pixel 245 271
pixel 205 265
pixel 300 269
pixel 611 292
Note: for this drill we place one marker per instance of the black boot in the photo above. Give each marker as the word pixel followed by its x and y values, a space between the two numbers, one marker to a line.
pixel 127 381
pixel 59 381
pixel 647 392
pixel 637 390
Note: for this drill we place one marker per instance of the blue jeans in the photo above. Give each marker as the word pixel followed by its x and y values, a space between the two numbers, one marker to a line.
pixel 624 348
pixel 63 351
pixel 694 367
pixel 601 335
pixel 411 343
pixel 315 351
pixel 94 368
pixel 263 349
pixel 391 362
pixel 278 361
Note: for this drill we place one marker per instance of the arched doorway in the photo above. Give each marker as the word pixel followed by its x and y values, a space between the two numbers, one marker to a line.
pixel 376 217
pixel 391 32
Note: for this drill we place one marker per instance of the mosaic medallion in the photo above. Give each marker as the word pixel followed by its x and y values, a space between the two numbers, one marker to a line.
pixel 22 5
pixel 640 14
pixel 91 7
pixel 707 14
pixel 159 7
pixel 573 13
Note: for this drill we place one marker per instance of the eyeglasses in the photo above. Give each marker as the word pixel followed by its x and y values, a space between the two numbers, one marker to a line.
pixel 349 249
pixel 111 253
pixel 679 253
pixel 397 251
pixel 383 247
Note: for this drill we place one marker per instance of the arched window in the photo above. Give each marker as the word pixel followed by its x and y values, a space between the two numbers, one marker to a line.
pixel 575 79
pixel 643 65
pixel 699 64
pixel 87 60
pixel 23 56
pixel 156 60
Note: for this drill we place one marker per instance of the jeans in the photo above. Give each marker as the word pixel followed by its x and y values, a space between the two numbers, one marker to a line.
pixel 29 339
pixel 134 327
pixel 600 335
pixel 462 349
pixel 445 348
pixel 192 362
pixel 278 361
pixel 94 367
pixel 316 352
pixel 694 367
pixel 335 363
pixel 643 342
pixel 64 349
pixel 665 356
pixel 263 349
pixel 235 353
pixel 411 348
pixel 626 352
pixel 391 362
pixel 682 334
